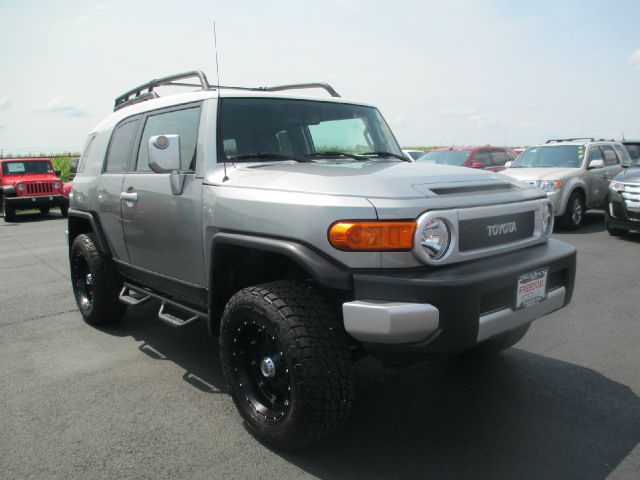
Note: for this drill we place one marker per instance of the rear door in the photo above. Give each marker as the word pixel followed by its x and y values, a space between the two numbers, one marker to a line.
pixel 110 184
pixel 163 230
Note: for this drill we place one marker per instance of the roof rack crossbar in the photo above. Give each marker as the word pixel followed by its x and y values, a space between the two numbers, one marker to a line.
pixel 280 88
pixel 555 140
pixel 130 97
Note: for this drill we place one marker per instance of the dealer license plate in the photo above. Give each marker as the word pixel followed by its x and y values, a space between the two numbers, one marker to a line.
pixel 531 288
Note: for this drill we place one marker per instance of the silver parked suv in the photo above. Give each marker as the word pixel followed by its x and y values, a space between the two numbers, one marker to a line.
pixel 296 229
pixel 575 173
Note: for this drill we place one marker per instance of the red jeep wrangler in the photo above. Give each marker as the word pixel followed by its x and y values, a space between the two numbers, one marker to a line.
pixel 30 183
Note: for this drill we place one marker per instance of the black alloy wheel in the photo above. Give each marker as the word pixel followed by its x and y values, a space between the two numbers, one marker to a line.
pixel 261 369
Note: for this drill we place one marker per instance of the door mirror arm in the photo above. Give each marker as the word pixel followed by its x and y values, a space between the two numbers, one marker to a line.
pixel 164 157
pixel 176 180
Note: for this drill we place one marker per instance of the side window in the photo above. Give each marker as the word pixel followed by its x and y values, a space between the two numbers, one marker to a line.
pixel 594 153
pixel 623 155
pixel 178 122
pixel 482 156
pixel 499 157
pixel 609 154
pixel 92 165
pixel 120 148
pixel 85 153
pixel 511 155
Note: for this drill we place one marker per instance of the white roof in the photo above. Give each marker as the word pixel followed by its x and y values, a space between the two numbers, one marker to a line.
pixel 574 142
pixel 198 95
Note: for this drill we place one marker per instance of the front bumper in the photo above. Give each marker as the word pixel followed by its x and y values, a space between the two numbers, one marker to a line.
pixel 37 201
pixel 440 311
pixel 623 212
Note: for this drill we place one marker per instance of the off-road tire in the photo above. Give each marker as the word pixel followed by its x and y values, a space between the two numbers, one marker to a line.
pixel 315 353
pixel 9 212
pixel 44 210
pixel 501 342
pixel 64 210
pixel 574 215
pixel 98 304
pixel 614 232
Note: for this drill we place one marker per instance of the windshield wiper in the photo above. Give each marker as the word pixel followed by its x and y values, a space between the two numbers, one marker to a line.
pixel 336 154
pixel 267 156
pixel 388 154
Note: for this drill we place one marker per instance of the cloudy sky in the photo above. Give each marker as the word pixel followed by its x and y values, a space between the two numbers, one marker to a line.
pixel 455 72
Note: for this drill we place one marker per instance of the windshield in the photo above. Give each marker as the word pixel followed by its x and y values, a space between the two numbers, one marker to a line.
pixel 21 168
pixel 299 128
pixel 552 156
pixel 448 157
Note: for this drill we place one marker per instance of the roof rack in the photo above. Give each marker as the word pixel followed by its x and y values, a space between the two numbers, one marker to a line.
pixel 138 94
pixel 557 140
pixel 135 95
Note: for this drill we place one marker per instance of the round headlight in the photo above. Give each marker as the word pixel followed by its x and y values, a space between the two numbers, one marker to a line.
pixel 57 185
pixel 21 186
pixel 435 238
pixel 547 219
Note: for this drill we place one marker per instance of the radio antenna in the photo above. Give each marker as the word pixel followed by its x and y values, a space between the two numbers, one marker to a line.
pixel 215 45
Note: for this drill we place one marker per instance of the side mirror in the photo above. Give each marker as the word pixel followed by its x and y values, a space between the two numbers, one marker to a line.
pixel 477 165
pixel 596 164
pixel 164 153
pixel 58 172
pixel 508 164
pixel 164 157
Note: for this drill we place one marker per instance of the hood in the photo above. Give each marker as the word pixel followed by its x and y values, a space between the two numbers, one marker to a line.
pixel 372 179
pixel 631 175
pixel 29 177
pixel 531 174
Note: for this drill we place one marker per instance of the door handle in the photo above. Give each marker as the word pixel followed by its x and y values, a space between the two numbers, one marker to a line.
pixel 129 196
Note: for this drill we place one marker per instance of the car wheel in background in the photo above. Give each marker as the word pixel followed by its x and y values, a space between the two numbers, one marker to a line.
pixel 574 214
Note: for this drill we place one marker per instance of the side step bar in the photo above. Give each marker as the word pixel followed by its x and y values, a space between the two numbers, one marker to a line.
pixel 134 295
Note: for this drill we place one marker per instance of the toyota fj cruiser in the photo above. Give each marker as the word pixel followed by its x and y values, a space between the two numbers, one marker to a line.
pixel 29 183
pixel 297 230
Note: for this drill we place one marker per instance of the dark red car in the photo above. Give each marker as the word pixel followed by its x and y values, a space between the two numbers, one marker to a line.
pixel 30 183
pixel 486 157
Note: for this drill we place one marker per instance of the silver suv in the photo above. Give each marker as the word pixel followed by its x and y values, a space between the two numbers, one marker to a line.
pixel 575 174
pixel 297 230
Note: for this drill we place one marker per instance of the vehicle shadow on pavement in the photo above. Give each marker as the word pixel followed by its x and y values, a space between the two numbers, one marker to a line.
pixel 592 222
pixel 517 415
pixel 36 217
pixel 514 415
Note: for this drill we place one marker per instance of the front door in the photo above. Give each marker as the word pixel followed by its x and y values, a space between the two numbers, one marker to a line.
pixel 163 231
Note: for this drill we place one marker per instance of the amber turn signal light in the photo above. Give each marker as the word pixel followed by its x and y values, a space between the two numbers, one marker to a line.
pixel 372 236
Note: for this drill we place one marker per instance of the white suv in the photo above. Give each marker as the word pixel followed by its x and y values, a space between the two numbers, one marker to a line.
pixel 575 173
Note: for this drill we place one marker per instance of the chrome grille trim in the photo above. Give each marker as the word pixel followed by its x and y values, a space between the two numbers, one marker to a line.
pixel 453 217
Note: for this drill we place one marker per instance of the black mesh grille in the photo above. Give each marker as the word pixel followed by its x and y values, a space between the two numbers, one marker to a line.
pixel 488 232
pixel 497 300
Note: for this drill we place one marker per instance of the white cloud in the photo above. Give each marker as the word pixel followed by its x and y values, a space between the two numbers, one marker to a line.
pixel 634 59
pixel 4 103
pixel 533 105
pixel 460 111
pixel 63 106
pixel 484 119
pixel 92 13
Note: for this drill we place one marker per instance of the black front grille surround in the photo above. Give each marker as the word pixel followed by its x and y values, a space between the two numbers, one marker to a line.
pixel 465 224
pixel 488 232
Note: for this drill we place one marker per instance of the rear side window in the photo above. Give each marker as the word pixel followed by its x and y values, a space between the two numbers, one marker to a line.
pixel 120 148
pixel 482 156
pixel 178 122
pixel 85 153
pixel 93 157
pixel 609 155
pixel 499 157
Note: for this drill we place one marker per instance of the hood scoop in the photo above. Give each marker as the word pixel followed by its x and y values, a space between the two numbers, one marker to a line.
pixel 467 188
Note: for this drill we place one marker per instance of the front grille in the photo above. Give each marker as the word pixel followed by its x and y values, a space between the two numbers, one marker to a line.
pixel 39 188
pixel 497 300
pixel 480 233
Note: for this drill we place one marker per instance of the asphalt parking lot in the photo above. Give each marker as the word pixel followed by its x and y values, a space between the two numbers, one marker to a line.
pixel 144 400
